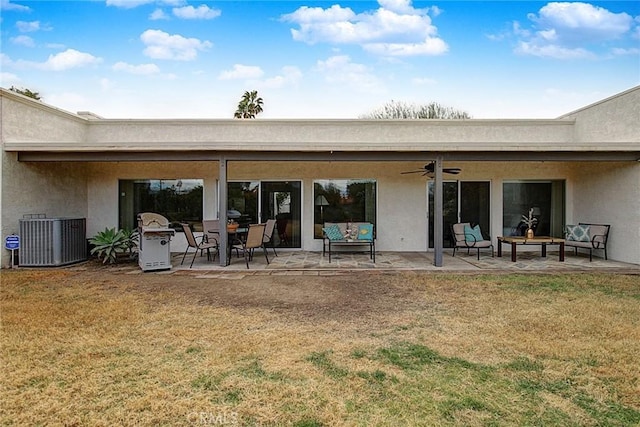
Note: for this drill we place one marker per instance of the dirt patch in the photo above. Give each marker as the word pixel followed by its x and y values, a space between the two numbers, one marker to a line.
pixel 345 296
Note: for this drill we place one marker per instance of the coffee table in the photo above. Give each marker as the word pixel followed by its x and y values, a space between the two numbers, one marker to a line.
pixel 543 241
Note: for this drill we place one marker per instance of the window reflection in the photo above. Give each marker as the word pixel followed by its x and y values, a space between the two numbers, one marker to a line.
pixel 179 200
pixel 337 200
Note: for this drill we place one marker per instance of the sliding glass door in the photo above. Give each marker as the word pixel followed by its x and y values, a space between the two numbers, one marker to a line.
pixel 282 200
pixel 250 202
pixel 463 201
pixel 545 199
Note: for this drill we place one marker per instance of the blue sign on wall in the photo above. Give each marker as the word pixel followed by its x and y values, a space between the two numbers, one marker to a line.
pixel 12 242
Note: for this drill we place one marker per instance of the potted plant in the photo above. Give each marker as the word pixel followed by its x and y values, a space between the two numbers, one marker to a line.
pixel 232 225
pixel 530 221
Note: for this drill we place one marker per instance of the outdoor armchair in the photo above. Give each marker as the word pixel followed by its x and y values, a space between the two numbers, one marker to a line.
pixel 465 236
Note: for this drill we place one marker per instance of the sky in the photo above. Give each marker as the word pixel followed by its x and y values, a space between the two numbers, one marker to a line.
pixel 323 59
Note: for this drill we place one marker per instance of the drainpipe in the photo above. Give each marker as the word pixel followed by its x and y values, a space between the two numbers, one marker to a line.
pixel 437 218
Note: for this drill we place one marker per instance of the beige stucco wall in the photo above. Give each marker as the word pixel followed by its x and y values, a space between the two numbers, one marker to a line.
pixel 25 121
pixel 612 120
pixel 610 194
pixel 54 189
pixel 401 203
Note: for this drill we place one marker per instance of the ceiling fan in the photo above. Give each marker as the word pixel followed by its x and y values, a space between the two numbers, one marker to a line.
pixel 429 169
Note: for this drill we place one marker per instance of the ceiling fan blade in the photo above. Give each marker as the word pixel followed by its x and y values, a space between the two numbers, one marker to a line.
pixel 418 171
pixel 453 171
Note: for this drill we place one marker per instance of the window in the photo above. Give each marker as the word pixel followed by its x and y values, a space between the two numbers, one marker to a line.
pixel 242 202
pixel 179 200
pixel 340 200
pixel 545 197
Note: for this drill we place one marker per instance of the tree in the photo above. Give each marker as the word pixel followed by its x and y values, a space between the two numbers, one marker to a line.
pixel 250 106
pixel 403 110
pixel 26 92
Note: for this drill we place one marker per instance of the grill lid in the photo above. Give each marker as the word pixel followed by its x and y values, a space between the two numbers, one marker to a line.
pixel 150 222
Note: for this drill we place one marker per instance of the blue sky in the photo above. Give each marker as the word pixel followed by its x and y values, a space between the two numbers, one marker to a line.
pixel 335 59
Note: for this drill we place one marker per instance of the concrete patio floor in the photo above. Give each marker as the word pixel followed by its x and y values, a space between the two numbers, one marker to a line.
pixel 302 262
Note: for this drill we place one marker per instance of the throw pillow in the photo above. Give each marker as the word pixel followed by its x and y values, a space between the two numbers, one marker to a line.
pixel 578 233
pixel 333 232
pixel 365 232
pixel 473 234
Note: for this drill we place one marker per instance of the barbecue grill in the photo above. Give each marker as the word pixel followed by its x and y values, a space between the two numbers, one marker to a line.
pixel 154 252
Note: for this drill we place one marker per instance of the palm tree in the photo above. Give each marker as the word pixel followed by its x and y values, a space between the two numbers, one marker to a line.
pixel 250 106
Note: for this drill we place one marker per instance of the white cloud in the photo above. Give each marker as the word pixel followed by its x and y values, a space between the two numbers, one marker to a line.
pixel 28 27
pixel 161 45
pixel 580 22
pixel 240 71
pixel 128 4
pixel 23 41
pixel 7 5
pixel 431 46
pixel 396 28
pixel 8 79
pixel 69 59
pixel 420 81
pixel 157 15
pixel 290 76
pixel 553 51
pixel 201 12
pixel 340 70
pixel 570 30
pixel 62 61
pixel 142 69
pixel 622 52
pixel 71 101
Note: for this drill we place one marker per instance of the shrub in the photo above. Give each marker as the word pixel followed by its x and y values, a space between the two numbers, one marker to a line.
pixel 110 242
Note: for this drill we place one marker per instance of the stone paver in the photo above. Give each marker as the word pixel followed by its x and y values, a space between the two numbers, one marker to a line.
pixel 310 263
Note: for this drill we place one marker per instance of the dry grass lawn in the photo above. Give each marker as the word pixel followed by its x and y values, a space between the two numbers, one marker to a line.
pixel 103 348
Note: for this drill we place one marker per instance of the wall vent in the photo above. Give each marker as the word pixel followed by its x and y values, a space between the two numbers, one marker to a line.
pixel 48 242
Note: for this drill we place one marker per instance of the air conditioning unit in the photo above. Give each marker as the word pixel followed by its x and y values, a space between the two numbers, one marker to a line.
pixel 48 242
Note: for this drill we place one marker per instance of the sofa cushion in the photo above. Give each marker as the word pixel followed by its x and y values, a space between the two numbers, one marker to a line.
pixel 578 233
pixel 598 233
pixel 365 232
pixel 333 232
pixel 472 235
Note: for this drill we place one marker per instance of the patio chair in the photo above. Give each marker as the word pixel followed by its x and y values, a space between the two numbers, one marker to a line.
pixel 464 236
pixel 269 228
pixel 254 240
pixel 211 230
pixel 193 243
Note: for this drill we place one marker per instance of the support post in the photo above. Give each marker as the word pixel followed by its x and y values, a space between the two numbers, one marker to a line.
pixel 437 214
pixel 222 205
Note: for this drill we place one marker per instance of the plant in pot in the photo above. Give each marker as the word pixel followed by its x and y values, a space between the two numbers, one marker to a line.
pixel 530 221
pixel 232 225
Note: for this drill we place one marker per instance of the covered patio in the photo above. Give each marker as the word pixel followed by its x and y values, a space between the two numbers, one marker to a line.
pixel 313 263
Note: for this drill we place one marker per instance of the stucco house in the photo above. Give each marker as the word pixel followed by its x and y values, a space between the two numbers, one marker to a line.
pixel 581 167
